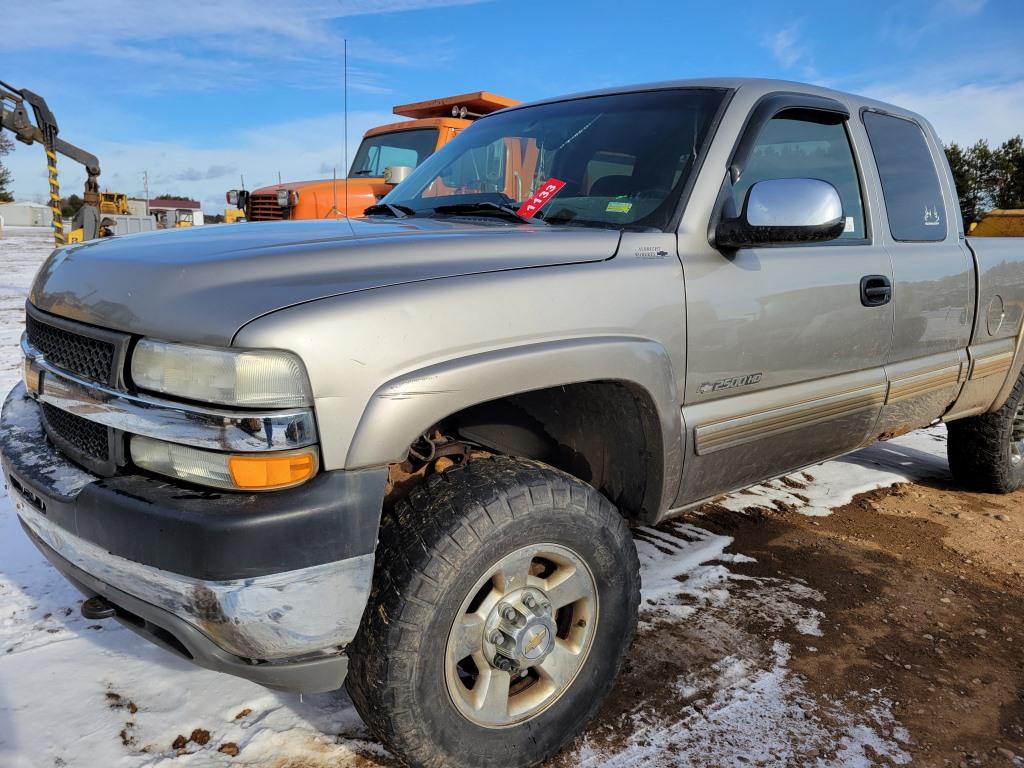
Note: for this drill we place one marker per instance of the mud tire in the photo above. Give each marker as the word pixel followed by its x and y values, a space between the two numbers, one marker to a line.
pixel 432 549
pixel 980 448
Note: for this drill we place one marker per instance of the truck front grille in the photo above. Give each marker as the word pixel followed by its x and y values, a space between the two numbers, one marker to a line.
pixel 82 440
pixel 264 207
pixel 74 352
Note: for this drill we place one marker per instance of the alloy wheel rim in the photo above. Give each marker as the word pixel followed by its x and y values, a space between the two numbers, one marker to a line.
pixel 1017 436
pixel 521 636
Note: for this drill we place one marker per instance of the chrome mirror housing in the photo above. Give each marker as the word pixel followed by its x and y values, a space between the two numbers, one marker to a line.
pixel 781 211
pixel 396 174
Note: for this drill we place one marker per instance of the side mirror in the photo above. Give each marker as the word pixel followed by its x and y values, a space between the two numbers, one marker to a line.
pixel 396 174
pixel 780 211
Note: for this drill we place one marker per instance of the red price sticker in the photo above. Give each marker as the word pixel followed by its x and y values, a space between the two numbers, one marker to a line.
pixel 538 199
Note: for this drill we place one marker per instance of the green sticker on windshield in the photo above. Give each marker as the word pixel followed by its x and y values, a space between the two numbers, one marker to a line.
pixel 617 207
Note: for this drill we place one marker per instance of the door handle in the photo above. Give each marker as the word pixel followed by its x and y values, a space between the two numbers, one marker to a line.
pixel 875 290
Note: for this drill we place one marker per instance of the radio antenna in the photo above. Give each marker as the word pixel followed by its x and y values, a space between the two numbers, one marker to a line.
pixel 345 169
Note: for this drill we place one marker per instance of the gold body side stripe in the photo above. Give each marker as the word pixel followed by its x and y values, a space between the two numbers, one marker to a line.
pixel 918 384
pixel 991 365
pixel 731 432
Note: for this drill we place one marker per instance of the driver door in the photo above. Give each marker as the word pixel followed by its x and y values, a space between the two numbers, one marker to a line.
pixel 784 360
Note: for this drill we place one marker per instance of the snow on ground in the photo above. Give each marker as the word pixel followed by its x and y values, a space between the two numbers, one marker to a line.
pixel 74 693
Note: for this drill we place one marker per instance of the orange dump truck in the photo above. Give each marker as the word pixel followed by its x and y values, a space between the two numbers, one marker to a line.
pixel 385 157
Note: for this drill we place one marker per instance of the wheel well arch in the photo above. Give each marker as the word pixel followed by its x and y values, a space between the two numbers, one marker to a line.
pixel 557 381
pixel 605 433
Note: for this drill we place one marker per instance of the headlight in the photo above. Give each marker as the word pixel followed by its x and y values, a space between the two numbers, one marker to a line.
pixel 237 472
pixel 246 378
pixel 286 198
pixel 232 197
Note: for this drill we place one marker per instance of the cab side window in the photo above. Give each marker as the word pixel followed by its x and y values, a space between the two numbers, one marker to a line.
pixel 804 145
pixel 910 183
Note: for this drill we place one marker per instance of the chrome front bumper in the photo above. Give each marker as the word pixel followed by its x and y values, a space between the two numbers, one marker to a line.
pixel 270 587
pixel 287 615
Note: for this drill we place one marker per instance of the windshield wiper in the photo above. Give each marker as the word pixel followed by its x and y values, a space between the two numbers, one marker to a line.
pixel 389 209
pixel 485 207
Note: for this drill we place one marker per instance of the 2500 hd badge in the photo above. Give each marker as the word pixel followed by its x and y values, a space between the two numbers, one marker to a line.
pixel 731 383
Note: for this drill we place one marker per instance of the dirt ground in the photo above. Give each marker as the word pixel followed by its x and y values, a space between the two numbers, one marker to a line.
pixel 923 602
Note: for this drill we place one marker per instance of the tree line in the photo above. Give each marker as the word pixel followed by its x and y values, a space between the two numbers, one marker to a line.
pixel 988 177
pixel 6 145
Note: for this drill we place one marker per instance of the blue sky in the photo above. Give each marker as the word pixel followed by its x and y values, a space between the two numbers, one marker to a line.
pixel 198 92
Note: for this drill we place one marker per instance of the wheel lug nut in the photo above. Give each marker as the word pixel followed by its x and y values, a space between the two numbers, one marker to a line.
pixel 496 637
pixel 529 601
pixel 508 613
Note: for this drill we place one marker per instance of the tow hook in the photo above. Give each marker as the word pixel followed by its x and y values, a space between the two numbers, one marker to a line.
pixel 98 608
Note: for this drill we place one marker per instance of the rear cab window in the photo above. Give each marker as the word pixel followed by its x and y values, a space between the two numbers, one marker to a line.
pixel 910 181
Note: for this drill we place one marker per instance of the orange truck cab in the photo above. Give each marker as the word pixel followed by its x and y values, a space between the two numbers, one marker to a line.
pixel 385 156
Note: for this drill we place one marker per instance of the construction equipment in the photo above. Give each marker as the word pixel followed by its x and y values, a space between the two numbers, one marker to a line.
pixel 233 215
pixel 41 127
pixel 1001 222
pixel 386 155
pixel 115 203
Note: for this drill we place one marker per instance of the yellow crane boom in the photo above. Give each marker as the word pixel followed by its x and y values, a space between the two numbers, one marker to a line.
pixel 41 127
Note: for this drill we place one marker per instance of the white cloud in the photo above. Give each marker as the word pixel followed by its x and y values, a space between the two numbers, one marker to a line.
pixel 192 45
pixel 227 24
pixel 785 46
pixel 205 173
pixel 202 45
pixel 964 7
pixel 789 49
pixel 905 25
pixel 961 113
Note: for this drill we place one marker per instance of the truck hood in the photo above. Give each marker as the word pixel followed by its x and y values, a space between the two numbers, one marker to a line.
pixel 202 284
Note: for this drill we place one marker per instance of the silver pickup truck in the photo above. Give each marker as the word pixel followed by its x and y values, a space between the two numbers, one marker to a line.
pixel 403 452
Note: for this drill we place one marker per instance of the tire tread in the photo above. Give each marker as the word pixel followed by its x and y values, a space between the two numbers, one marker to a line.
pixel 427 534
pixel 978 448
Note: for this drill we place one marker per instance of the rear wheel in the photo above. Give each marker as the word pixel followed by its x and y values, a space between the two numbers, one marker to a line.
pixel 986 453
pixel 504 600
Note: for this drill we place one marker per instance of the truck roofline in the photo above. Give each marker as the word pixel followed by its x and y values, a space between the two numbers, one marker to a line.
pixel 760 86
pixel 412 125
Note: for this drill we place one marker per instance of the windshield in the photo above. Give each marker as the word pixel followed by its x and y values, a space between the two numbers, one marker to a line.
pixel 387 149
pixel 617 161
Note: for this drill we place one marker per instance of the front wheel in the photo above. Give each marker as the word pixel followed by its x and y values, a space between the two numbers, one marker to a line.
pixel 505 597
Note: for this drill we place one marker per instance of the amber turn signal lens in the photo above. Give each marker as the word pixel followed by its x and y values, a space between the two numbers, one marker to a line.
pixel 266 472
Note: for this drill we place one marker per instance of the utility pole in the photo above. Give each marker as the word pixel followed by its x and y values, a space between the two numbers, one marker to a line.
pixel 145 186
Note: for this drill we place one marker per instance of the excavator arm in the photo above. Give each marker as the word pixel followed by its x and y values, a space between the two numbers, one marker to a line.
pixel 41 127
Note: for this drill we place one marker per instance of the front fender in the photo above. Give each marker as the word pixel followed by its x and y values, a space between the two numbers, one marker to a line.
pixel 405 407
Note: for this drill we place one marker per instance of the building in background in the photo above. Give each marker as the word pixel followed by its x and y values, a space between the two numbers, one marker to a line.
pixel 170 212
pixel 26 214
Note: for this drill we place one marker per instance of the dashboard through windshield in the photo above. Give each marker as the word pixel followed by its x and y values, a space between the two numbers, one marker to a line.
pixel 618 161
